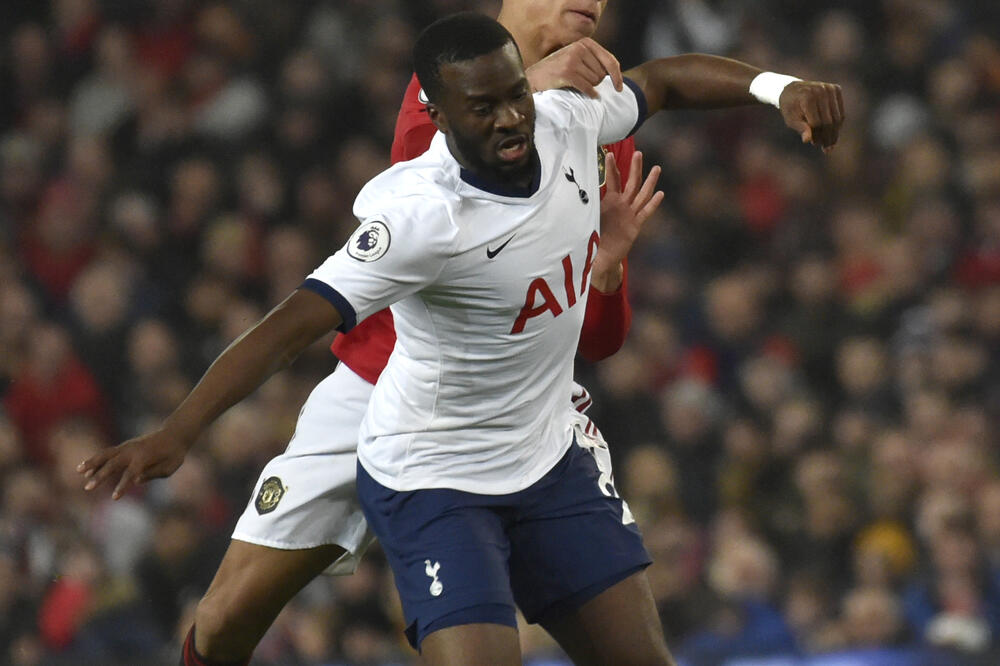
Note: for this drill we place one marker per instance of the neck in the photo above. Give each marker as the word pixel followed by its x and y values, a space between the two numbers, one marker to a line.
pixel 529 39
pixel 521 179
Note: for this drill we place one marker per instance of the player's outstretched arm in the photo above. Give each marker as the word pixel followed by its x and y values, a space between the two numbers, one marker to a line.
pixel 270 345
pixel 695 81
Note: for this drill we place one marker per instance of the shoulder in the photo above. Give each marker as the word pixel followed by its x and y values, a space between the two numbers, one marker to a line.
pixel 558 106
pixel 417 194
pixel 413 110
pixel 426 179
pixel 414 129
pixel 414 93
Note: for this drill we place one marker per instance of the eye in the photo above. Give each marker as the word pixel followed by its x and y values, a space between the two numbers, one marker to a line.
pixel 482 109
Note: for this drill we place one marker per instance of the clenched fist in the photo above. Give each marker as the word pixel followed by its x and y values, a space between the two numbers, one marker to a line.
pixel 815 110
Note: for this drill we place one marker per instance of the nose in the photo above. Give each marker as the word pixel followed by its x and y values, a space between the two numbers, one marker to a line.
pixel 508 116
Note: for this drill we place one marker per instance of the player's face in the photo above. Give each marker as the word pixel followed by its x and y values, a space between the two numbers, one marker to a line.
pixel 563 21
pixel 487 111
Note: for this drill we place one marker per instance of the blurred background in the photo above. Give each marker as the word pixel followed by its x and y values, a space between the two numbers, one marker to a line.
pixel 804 418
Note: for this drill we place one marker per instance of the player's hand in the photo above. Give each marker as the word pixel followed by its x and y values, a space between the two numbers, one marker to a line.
pixel 623 212
pixel 136 461
pixel 580 65
pixel 815 110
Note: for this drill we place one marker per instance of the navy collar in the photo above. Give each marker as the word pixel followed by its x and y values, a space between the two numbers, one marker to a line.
pixel 502 189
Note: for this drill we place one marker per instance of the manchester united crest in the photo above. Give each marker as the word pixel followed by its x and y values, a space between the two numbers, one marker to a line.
pixel 271 492
pixel 601 152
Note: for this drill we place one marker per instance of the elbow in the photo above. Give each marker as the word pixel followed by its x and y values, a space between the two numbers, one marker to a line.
pixel 594 352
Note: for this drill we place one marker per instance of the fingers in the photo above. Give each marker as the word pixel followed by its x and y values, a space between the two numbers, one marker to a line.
pixel 583 85
pixel 128 471
pixel 826 123
pixel 829 108
pixel 580 65
pixel 106 470
pixel 645 195
pixel 802 128
pixel 822 110
pixel 127 480
pixel 609 64
pixel 634 176
pixel 654 202
pixel 588 72
pixel 88 466
pixel 815 110
pixel 612 177
pixel 825 131
pixel 835 99
pixel 810 111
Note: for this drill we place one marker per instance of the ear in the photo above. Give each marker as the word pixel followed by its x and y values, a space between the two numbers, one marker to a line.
pixel 437 117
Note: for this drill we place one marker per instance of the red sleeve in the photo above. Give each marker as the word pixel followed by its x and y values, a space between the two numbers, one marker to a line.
pixel 414 129
pixel 605 322
pixel 609 316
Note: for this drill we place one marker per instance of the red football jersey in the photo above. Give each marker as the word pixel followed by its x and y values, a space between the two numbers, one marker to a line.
pixel 366 348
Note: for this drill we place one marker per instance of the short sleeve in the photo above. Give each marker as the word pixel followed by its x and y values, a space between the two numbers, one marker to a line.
pixel 381 263
pixel 616 115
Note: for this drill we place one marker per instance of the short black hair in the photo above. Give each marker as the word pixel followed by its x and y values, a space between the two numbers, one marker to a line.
pixel 455 38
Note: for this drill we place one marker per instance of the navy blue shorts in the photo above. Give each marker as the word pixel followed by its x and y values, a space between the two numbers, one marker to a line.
pixel 462 558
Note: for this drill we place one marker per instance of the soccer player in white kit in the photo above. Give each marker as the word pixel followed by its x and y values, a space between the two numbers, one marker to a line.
pixel 468 419
pixel 468 468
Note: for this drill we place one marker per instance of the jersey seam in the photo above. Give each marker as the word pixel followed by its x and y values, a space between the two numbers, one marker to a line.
pixel 437 345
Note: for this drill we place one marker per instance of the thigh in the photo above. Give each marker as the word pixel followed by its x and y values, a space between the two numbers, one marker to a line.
pixel 618 626
pixel 573 540
pixel 306 497
pixel 472 644
pixel 253 583
pixel 449 555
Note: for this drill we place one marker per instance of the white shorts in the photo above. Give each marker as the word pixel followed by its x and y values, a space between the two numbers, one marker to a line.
pixel 306 497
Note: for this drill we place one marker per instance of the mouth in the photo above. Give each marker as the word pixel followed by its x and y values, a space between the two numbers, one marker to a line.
pixel 591 16
pixel 513 149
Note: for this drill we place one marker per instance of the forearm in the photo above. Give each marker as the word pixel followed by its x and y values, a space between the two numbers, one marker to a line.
pixel 272 344
pixel 694 81
pixel 234 375
pixel 606 323
pixel 607 279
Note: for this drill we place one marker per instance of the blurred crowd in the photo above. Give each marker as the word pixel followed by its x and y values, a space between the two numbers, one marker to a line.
pixel 804 416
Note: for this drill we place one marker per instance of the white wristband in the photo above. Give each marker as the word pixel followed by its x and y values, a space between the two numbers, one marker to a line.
pixel 766 87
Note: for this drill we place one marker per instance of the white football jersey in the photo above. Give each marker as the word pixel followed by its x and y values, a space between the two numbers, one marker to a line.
pixel 488 291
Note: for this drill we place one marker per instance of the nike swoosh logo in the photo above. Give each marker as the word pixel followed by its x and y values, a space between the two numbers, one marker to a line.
pixel 492 253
